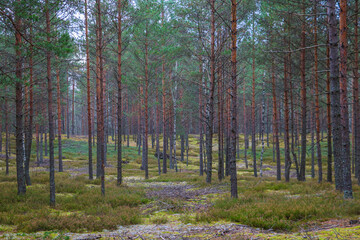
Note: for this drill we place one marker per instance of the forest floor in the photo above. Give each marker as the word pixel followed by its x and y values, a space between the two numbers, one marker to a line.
pixel 176 205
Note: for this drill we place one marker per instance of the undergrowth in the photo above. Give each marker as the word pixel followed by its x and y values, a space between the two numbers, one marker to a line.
pixel 78 207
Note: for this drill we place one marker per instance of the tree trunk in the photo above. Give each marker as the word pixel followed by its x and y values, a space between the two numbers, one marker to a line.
pixel 164 106
pixel 312 139
pixel 201 165
pixel 210 105
pixel 275 123
pixel 7 134
pixel 1 130
pixel 146 146
pixel 286 123
pixel 303 97
pixel 246 141
pixel 356 107
pixel 50 110
pixel 67 108
pixel 100 98
pixel 253 120
pixel 220 128
pixel 158 129
pixel 20 157
pixel 37 144
pixel 73 109
pixel 328 116
pixel 59 119
pixel 262 129
pixel 234 134
pixel 347 187
pixel 29 122
pixel 317 106
pixel 46 142
pixel 88 93
pixel 228 129
pixel 41 144
pixel 119 126
pixel 335 93
pixel 174 121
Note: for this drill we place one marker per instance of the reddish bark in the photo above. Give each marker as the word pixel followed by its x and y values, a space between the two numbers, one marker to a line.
pixel 234 134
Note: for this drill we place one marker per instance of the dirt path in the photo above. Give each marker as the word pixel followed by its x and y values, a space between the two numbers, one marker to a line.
pixel 176 231
pixel 194 200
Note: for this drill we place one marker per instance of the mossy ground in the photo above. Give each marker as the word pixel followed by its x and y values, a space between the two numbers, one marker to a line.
pixel 264 203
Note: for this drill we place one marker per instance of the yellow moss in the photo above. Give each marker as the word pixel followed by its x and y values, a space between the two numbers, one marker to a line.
pixel 339 233
pixel 65 195
pixel 7 228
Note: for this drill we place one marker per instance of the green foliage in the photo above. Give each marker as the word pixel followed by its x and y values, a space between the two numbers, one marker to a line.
pixel 282 206
pixel 79 208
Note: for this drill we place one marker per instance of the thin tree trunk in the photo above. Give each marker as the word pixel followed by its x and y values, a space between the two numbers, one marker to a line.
pixel 41 144
pixel 37 144
pixel 262 129
pixel 286 122
pixel 328 116
pixel 234 133
pixel 317 107
pixel 119 126
pixel 67 108
pixel 275 123
pixel 28 132
pixel 158 130
pixel 220 128
pixel 294 135
pixel 228 133
pixel 73 109
pixel 7 134
pixel 164 105
pixel 312 140
pixel 246 141
pixel 146 104
pixel 100 98
pixel 253 131
pixel 210 105
pixel 174 120
pixel 59 119
pixel 50 110
pixel 303 97
pixel 88 93
pixel 201 165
